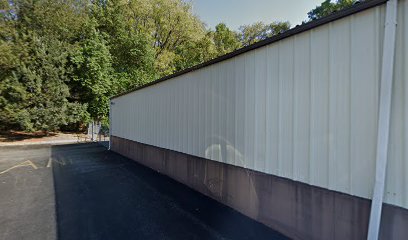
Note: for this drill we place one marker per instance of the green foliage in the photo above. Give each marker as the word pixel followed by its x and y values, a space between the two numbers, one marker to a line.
pixel 129 46
pixel 33 93
pixel 172 29
pixel 34 68
pixel 250 34
pixel 193 53
pixel 327 7
pixel 93 74
pixel 12 94
pixel 225 40
pixel 61 60
pixel 115 56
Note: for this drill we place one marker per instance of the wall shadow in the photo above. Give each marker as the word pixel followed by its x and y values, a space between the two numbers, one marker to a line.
pixel 103 195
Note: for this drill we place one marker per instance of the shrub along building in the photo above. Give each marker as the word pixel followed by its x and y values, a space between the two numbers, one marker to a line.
pixel 291 131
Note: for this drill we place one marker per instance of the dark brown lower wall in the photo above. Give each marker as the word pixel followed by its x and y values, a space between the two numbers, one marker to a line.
pixel 298 210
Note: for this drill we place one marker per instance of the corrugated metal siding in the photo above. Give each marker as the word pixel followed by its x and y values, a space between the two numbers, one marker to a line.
pixel 303 108
pixel 397 171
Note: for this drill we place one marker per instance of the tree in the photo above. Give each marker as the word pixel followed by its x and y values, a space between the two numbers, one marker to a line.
pixel 194 53
pixel 172 26
pixel 327 7
pixel 34 66
pixel 130 46
pixel 250 34
pixel 61 60
pixel 93 74
pixel 225 40
pixel 33 94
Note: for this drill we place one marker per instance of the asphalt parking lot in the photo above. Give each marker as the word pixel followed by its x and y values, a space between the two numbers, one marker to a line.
pixel 83 191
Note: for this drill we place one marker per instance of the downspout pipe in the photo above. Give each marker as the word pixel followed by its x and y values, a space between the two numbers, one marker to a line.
pixel 387 71
pixel 110 124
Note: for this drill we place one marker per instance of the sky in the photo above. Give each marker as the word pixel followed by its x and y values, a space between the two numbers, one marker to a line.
pixel 235 13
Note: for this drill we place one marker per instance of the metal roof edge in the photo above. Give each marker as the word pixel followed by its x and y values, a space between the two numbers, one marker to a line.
pixel 358 7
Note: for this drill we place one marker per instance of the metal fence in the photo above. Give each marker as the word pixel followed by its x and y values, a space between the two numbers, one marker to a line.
pixel 98 133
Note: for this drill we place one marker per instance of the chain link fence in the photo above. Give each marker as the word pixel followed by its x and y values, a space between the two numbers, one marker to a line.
pixel 97 132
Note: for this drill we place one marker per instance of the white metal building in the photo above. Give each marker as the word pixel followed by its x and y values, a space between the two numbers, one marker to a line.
pixel 302 106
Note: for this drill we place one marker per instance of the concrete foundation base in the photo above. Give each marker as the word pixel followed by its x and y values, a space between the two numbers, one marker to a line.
pixel 298 210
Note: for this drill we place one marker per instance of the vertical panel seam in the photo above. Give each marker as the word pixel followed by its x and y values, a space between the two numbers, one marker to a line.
pixel 311 106
pixel 293 175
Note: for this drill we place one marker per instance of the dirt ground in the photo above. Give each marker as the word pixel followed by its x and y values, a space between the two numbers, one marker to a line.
pixel 22 138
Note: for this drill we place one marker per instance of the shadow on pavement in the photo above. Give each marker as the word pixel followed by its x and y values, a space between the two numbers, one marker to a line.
pixel 102 195
pixel 12 136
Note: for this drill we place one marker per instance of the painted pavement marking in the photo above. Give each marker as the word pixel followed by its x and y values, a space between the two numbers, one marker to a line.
pixel 23 164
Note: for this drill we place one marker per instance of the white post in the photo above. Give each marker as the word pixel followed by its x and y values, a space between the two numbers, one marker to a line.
pixel 92 130
pixel 387 70
pixel 110 124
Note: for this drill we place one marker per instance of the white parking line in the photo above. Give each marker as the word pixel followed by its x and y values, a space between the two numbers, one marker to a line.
pixel 23 164
pixel 49 164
